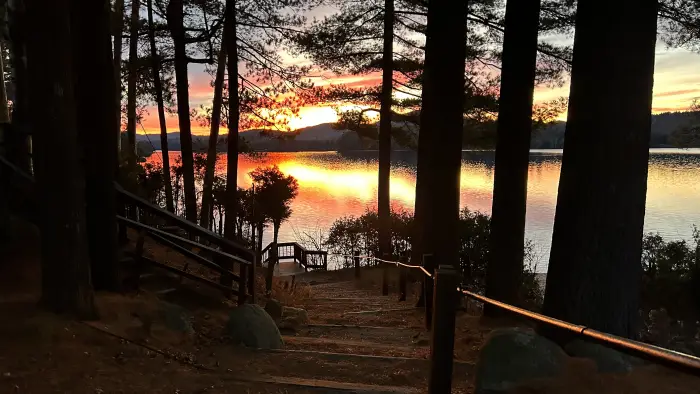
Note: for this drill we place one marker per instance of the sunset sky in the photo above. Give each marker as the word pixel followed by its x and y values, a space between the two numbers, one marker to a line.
pixel 676 84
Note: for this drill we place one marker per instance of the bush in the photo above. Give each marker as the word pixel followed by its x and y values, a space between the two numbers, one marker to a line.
pixel 671 278
pixel 350 234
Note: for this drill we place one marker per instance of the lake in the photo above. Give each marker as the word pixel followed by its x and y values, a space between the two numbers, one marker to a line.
pixel 333 185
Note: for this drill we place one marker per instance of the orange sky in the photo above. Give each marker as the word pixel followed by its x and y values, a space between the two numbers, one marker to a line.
pixel 676 84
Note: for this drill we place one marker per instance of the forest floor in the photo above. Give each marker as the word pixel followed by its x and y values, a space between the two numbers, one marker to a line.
pixel 356 341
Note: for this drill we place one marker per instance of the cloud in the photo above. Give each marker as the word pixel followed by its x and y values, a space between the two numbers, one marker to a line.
pixel 683 92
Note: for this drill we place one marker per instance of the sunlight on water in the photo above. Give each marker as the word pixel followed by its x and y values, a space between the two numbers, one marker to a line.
pixel 333 185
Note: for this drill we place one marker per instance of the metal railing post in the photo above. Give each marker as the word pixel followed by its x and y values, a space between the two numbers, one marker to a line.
pixel 356 259
pixel 385 274
pixel 443 334
pixel 428 290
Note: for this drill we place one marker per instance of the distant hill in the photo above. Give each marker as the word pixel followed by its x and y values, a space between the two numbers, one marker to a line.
pixel 325 137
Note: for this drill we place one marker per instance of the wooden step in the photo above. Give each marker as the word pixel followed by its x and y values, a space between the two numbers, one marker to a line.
pixel 325 386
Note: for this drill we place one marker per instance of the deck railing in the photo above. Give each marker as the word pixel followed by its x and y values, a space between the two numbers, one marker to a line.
pixel 309 259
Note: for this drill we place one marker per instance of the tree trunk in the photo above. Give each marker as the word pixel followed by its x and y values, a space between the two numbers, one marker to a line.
pixel 94 93
pixel 117 26
pixel 252 235
pixel 17 136
pixel 207 196
pixel 443 107
pixel 131 81
pixel 158 87
pixel 507 243
pixel 233 121
pixel 66 286
pixel 260 237
pixel 383 188
pixel 594 269
pixel 177 30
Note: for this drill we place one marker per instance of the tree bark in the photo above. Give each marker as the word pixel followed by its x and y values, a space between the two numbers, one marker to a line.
pixel 158 87
pixel 233 122
pixel 507 243
pixel 17 136
pixel 131 82
pixel 118 24
pixel 207 197
pixel 95 102
pixel 594 269
pixel 383 184
pixel 177 30
pixel 66 286
pixel 443 107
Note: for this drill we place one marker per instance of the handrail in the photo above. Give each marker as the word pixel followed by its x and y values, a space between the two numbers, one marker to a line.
pixel 671 358
pixel 677 359
pixel 167 235
pixel 185 224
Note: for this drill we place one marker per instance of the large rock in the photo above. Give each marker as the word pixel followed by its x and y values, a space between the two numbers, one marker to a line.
pixel 251 326
pixel 607 360
pixel 274 309
pixel 298 314
pixel 512 356
pixel 292 319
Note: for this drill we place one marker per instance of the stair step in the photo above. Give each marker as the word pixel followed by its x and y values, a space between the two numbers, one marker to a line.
pixel 356 346
pixel 354 369
pixel 326 386
pixel 164 291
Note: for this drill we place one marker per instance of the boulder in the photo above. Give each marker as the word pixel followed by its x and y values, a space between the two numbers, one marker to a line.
pixel 274 309
pixel 512 356
pixel 608 360
pixel 297 313
pixel 251 326
pixel 292 319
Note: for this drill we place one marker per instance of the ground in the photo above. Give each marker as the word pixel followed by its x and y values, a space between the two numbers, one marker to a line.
pixel 356 341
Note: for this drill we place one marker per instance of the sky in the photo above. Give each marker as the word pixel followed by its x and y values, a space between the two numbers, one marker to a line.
pixel 676 84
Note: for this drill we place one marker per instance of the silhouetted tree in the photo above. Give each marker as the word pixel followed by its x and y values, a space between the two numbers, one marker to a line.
pixel 232 148
pixel 158 91
pixel 594 269
pixel 95 101
pixel 66 286
pixel 512 152
pixel 117 27
pixel 274 193
pixel 383 183
pixel 130 150
pixel 208 183
pixel 176 24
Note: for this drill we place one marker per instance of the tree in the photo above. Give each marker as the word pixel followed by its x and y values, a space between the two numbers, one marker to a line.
pixel 512 152
pixel 176 24
pixel 594 269
pixel 208 183
pixel 94 87
pixel 274 193
pixel 66 286
pixel 232 148
pixel 384 173
pixel 158 90
pixel 117 26
pixel 131 89
pixel 441 123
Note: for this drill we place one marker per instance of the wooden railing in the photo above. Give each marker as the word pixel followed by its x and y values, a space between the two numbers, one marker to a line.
pixel 309 259
pixel 215 253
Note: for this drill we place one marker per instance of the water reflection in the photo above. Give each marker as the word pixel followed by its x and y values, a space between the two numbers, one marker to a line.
pixel 333 185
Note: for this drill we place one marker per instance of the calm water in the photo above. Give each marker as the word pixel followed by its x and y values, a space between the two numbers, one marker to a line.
pixel 332 185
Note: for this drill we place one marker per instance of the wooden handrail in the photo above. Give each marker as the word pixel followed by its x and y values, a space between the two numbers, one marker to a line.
pixel 182 223
pixel 167 235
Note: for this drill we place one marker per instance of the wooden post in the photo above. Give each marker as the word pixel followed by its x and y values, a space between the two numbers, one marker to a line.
pixel 271 262
pixel 242 285
pixel 356 258
pixel 428 290
pixel 251 279
pixel 403 273
pixel 385 274
pixel 443 334
pixel 225 279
